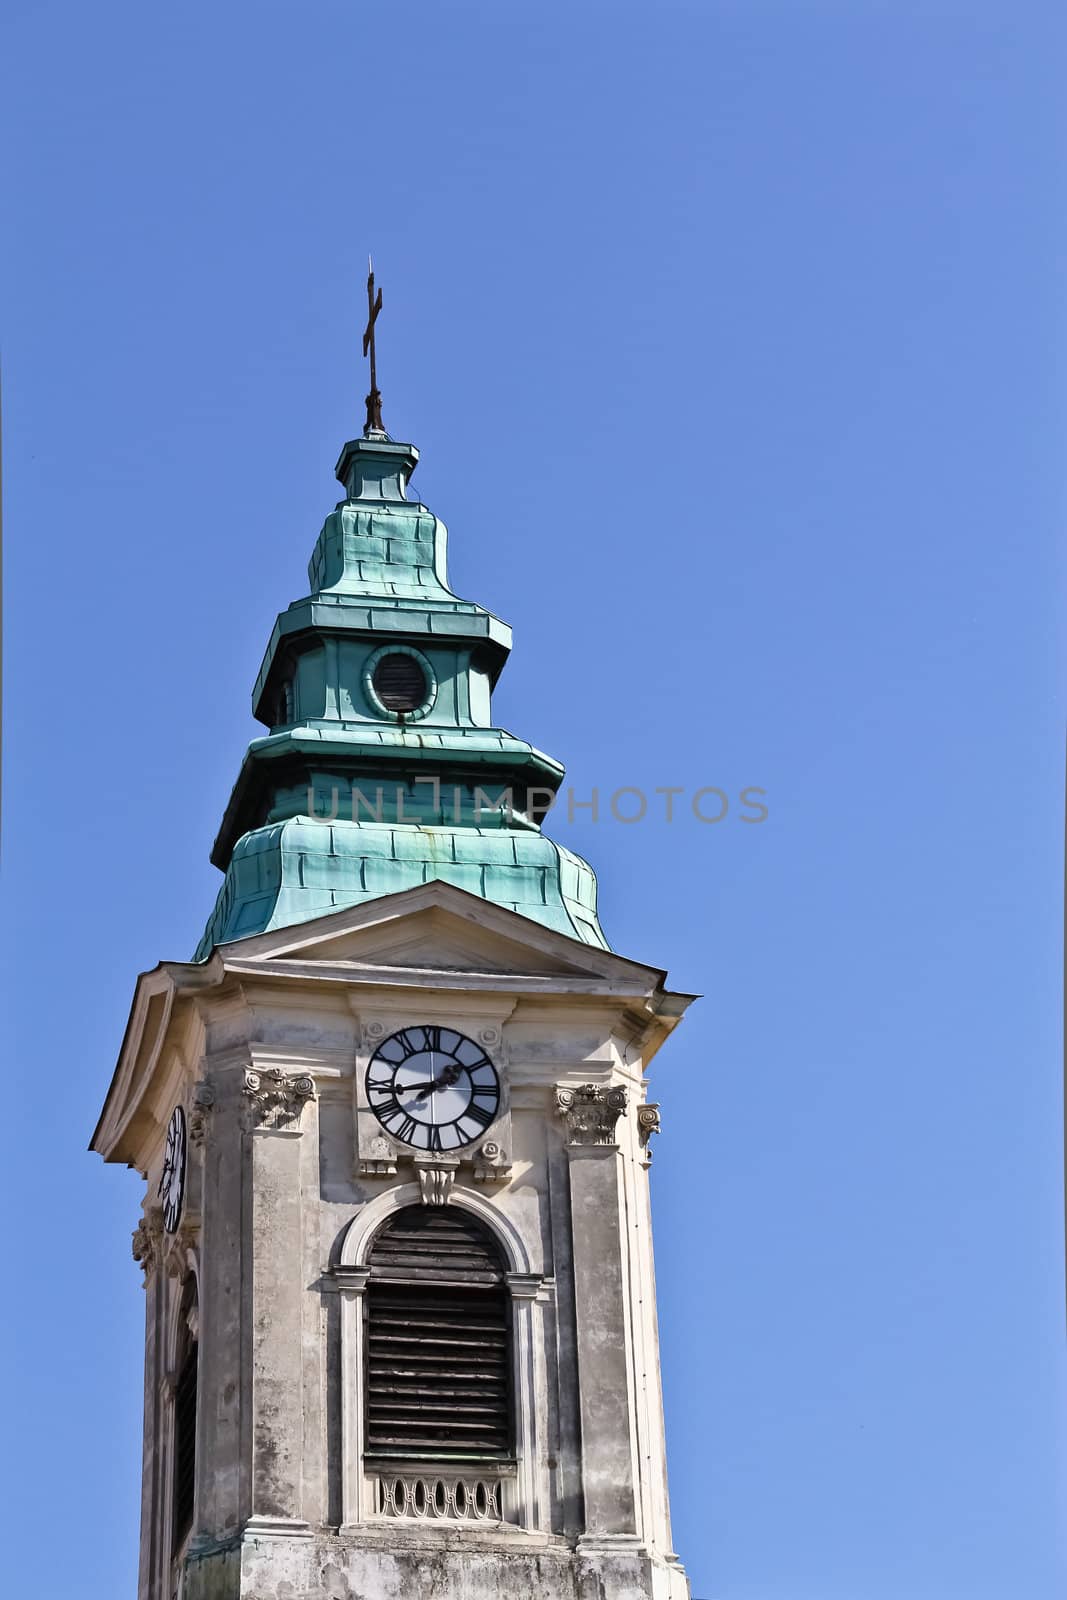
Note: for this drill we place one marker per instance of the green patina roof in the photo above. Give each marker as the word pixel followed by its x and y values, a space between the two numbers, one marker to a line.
pixel 342 800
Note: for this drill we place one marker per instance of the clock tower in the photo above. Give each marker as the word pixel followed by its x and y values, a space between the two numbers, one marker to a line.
pixel 400 1330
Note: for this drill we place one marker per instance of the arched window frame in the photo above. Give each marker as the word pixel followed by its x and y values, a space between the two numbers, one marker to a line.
pixel 374 701
pixel 459 1284
pixel 183 1330
pixel 525 1489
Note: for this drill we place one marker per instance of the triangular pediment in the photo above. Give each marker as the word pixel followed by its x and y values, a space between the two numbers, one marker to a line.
pixel 433 936
pixel 433 940
pixel 433 928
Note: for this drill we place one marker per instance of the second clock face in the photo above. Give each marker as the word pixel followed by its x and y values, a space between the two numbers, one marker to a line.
pixel 172 1183
pixel 432 1088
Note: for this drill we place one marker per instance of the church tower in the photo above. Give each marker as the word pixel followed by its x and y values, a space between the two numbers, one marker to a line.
pixel 400 1332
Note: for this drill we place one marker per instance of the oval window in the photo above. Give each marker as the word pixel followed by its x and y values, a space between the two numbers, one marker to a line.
pixel 400 683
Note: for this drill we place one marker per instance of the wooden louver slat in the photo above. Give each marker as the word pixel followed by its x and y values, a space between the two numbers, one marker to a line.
pixel 438 1346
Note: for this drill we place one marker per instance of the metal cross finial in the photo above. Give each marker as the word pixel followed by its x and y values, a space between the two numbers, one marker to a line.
pixel 374 400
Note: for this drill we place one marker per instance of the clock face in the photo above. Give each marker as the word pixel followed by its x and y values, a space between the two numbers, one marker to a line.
pixel 172 1183
pixel 432 1088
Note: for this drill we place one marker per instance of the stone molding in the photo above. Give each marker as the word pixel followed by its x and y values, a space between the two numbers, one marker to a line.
pixel 530 1285
pixel 275 1098
pixel 351 1280
pixel 610 1544
pixel 590 1112
pixel 369 1217
pixel 383 1167
pixel 487 1163
pixel 261 1527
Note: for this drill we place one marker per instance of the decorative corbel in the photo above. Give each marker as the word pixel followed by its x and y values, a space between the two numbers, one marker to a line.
pixel 590 1112
pixel 491 1164
pixel 436 1177
pixel 648 1123
pixel 378 1159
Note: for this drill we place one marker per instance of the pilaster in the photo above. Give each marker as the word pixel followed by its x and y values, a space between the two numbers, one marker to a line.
pixel 224 1382
pixel 275 1104
pixel 602 1311
pixel 148 1251
pixel 351 1284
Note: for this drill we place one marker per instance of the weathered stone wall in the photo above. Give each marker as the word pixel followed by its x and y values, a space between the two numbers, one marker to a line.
pixel 291 1176
pixel 333 1569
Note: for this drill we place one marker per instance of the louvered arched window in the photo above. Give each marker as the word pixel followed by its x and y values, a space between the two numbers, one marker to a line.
pixel 438 1332
pixel 184 1461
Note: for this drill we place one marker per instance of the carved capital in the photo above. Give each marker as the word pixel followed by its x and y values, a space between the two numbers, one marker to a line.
pixel 203 1098
pixel 348 1280
pixel 648 1123
pixel 530 1286
pixel 148 1241
pixel 590 1112
pixel 275 1098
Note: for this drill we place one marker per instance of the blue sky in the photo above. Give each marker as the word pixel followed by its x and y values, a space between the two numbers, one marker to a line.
pixel 733 339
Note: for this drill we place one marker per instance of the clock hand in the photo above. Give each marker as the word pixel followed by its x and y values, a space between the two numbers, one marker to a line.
pixel 444 1080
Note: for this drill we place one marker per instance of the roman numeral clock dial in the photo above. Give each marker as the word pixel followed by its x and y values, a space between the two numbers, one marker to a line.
pixel 172 1183
pixel 432 1088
